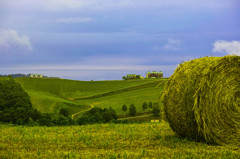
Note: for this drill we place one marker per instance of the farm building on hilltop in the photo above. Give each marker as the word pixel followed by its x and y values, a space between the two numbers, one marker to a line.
pixel 133 76
pixel 154 74
pixel 36 76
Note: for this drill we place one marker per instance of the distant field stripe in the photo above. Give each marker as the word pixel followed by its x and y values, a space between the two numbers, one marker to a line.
pixel 82 111
pixel 139 116
pixel 141 86
pixel 160 83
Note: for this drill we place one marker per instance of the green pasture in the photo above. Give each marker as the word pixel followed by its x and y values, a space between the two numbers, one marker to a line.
pixel 136 97
pixel 51 103
pixel 50 95
pixel 75 89
pixel 147 140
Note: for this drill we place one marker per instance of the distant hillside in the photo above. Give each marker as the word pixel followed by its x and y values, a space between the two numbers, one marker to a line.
pixel 49 95
pixel 19 75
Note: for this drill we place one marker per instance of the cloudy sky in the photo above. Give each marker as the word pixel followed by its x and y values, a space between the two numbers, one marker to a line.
pixel 106 39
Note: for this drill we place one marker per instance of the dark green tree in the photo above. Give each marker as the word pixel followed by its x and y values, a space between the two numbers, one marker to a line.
pixel 150 105
pixel 84 119
pixel 64 112
pixel 62 120
pixel 20 116
pixel 144 106
pixel 31 122
pixel 156 110
pixel 132 110
pixel 97 115
pixel 15 103
pixel 6 117
pixel 124 108
pixel 109 115
pixel 46 120
pixel 35 114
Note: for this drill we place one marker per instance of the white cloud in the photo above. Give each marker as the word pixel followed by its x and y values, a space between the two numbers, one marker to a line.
pixel 11 38
pixel 173 44
pixel 229 47
pixel 75 20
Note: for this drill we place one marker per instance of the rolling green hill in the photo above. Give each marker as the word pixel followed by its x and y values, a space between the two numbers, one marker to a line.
pixel 50 95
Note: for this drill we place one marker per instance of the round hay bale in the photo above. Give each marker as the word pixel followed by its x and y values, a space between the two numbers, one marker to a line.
pixel 202 100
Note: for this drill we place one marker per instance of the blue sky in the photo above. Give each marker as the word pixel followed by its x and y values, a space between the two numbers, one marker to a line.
pixel 106 39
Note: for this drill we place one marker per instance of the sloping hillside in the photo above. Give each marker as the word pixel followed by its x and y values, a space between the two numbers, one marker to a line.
pixel 49 95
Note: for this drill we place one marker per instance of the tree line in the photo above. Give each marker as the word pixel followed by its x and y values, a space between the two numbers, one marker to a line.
pixel 152 107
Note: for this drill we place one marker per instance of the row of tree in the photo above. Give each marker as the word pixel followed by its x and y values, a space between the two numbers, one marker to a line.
pixel 98 115
pixel 95 115
pixel 155 109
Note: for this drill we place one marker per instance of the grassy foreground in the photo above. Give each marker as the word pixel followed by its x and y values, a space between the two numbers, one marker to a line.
pixel 147 140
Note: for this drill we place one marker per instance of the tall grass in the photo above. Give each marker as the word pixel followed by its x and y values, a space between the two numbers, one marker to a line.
pixel 148 140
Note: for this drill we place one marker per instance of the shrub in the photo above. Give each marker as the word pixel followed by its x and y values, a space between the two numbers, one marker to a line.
pixel 64 112
pixel 144 106
pixel 132 110
pixel 45 120
pixel 109 115
pixel 62 120
pixel 156 110
pixel 97 115
pixel 31 122
pixel 124 108
pixel 150 105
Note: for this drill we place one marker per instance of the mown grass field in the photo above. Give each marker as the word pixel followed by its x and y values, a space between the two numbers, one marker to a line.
pixel 147 140
pixel 50 95
pixel 50 103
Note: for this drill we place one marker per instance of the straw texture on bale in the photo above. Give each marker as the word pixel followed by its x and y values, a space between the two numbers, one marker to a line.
pixel 202 100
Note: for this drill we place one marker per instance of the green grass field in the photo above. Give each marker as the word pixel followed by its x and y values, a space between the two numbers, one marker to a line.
pixel 147 140
pixel 50 95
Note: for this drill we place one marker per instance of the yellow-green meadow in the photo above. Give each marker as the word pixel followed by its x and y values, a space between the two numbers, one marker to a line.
pixel 146 140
